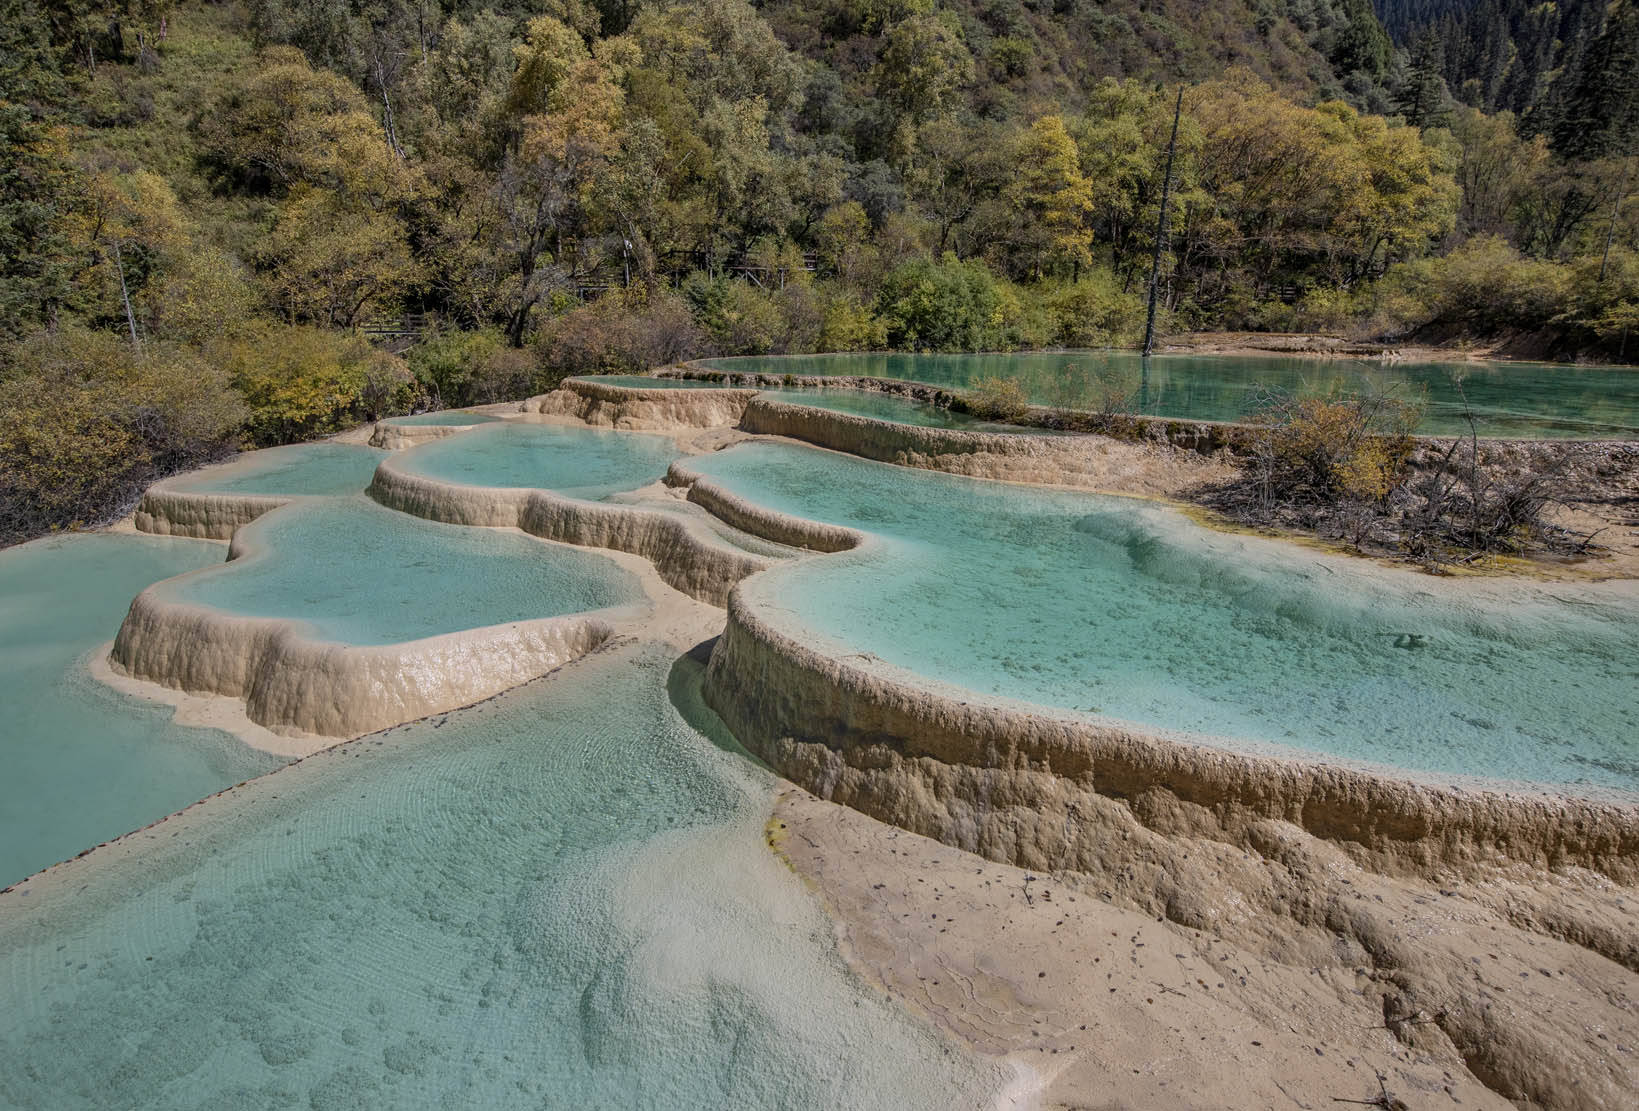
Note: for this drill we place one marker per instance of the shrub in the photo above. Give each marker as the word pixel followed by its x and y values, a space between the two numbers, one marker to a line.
pixel 1000 399
pixel 1094 312
pixel 90 421
pixel 1334 447
pixel 848 325
pixel 1023 318
pixel 740 318
pixel 472 368
pixel 389 387
pixel 942 306
pixel 1485 286
pixel 301 382
pixel 626 332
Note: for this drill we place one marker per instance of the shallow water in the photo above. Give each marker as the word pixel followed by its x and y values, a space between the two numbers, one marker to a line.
pixel 84 763
pixel 578 462
pixel 455 417
pixel 322 468
pixel 359 573
pixel 560 898
pixel 1120 608
pixel 1507 399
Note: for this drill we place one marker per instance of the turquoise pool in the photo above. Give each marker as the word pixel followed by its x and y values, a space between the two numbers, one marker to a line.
pixel 586 463
pixel 358 573
pixel 1116 607
pixel 1508 399
pixel 558 898
pixel 322 468
pixel 83 762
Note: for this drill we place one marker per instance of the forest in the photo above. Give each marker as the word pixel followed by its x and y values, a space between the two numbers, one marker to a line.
pixel 258 221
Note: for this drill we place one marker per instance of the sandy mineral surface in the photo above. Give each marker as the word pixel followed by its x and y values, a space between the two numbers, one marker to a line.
pixel 1112 1007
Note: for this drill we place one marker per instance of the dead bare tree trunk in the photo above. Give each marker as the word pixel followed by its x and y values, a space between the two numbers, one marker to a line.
pixel 1161 227
pixel 1610 229
pixel 125 296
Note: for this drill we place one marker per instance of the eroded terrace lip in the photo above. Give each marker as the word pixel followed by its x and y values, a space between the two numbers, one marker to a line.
pixel 457 418
pixel 213 503
pixel 292 471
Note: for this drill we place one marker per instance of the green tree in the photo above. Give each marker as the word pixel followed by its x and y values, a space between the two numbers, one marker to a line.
pixel 1424 100
pixel 38 184
pixel 924 61
pixel 1601 113
pixel 944 306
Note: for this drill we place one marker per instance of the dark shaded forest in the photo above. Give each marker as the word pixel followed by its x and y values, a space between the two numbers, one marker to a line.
pixel 255 222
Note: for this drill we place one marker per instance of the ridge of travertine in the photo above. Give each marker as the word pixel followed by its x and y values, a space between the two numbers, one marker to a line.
pixel 1023 456
pixel 1434 902
pixel 632 409
pixel 1310 864
pixel 686 554
pixel 292 681
pixel 1006 780
pixel 165 511
pixel 391 436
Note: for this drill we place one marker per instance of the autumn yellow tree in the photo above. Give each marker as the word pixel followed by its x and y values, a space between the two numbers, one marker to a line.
pixel 1052 202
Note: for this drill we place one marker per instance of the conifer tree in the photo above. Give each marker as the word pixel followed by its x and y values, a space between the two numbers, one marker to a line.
pixel 1601 113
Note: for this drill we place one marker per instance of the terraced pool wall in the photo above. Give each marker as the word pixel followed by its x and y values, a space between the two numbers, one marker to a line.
pixel 1009 457
pixel 290 681
pixel 165 511
pixel 638 410
pixel 1049 792
pixel 395 436
pixel 1206 437
pixel 684 553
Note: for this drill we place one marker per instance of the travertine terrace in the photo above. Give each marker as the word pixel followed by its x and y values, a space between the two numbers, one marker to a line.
pixel 1270 852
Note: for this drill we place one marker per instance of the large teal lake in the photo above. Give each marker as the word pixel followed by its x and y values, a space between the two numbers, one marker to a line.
pixel 1522 400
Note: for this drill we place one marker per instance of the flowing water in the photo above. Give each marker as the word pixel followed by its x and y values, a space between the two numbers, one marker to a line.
pixel 82 762
pixel 1119 608
pixel 1528 400
pixel 321 468
pixel 578 462
pixel 558 898
pixel 356 572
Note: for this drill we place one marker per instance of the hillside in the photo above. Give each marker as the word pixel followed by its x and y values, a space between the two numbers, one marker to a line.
pixel 206 203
